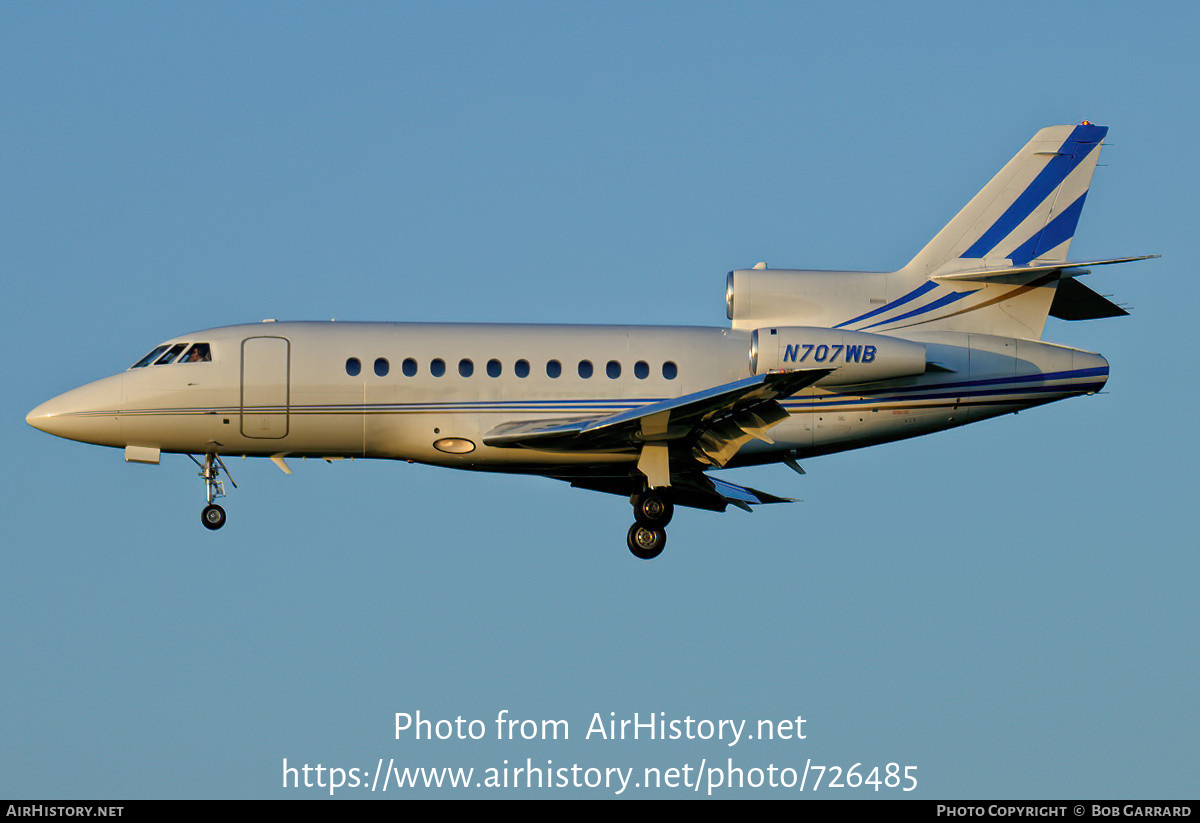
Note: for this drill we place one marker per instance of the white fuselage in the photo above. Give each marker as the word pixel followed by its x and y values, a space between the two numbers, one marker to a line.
pixel 291 388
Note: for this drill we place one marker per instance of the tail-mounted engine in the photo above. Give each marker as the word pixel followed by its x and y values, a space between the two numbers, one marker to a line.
pixel 857 357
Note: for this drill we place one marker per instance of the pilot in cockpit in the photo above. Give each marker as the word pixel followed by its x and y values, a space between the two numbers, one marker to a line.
pixel 199 354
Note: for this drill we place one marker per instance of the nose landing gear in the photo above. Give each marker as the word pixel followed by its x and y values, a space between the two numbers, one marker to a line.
pixel 213 516
pixel 652 511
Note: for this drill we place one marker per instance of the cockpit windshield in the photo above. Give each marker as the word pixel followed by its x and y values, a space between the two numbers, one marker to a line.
pixel 169 353
pixel 148 359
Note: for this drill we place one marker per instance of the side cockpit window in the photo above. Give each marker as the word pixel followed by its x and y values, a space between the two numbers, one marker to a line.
pixel 170 353
pixel 199 353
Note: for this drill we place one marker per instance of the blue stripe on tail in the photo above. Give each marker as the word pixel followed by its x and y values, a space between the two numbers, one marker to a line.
pixel 912 295
pixel 1058 230
pixel 1073 151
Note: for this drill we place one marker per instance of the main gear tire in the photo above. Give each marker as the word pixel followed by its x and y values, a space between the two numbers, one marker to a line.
pixel 646 542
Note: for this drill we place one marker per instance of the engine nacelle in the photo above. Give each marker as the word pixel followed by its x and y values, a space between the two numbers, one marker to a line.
pixel 858 357
pixel 762 298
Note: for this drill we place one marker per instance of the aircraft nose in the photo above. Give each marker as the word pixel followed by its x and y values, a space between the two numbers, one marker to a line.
pixel 36 418
pixel 90 413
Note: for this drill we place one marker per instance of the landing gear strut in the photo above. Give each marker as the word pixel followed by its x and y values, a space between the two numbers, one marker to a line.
pixel 213 516
pixel 652 511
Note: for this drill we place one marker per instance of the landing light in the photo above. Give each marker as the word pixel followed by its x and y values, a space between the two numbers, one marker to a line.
pixel 454 445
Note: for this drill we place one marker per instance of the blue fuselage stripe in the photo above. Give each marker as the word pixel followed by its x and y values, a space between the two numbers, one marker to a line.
pixel 1098 371
pixel 1019 396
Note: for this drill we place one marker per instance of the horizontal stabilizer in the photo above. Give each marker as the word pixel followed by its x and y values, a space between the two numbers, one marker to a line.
pixel 1021 274
pixel 1075 301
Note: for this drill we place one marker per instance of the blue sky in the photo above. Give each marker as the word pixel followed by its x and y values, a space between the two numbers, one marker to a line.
pixel 1009 607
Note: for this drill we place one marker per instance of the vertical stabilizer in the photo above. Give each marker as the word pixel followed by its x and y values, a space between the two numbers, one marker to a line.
pixel 1027 212
pixel 994 269
pixel 1024 217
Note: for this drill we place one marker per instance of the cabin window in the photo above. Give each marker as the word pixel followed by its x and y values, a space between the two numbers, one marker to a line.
pixel 170 355
pixel 381 366
pixel 641 370
pixel 521 368
pixel 465 367
pixel 437 367
pixel 150 358
pixel 553 368
pixel 199 353
pixel 493 368
pixel 613 369
pixel 585 369
pixel 409 367
pixel 353 366
pixel 670 370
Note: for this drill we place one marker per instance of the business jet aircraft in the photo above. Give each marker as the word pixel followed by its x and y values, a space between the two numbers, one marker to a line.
pixel 814 362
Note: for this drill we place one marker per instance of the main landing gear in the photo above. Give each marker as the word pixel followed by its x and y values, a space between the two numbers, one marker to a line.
pixel 213 516
pixel 652 512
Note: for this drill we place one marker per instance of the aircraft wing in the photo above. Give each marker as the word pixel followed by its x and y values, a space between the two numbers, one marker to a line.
pixel 710 418
pixel 695 489
pixel 710 493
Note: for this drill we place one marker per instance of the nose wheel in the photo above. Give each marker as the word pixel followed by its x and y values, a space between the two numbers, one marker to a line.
pixel 647 537
pixel 213 516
